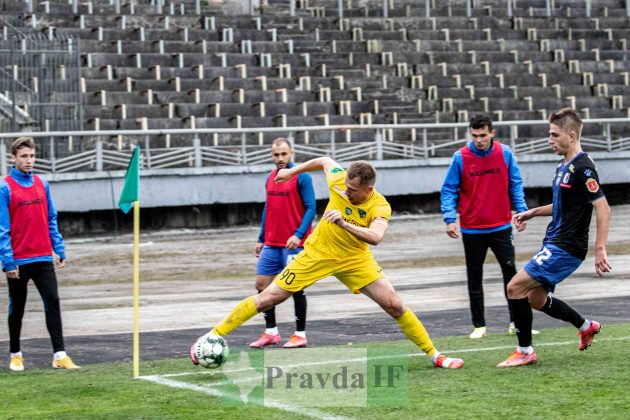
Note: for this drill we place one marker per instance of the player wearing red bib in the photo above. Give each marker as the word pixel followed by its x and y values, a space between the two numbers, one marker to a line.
pixel 28 237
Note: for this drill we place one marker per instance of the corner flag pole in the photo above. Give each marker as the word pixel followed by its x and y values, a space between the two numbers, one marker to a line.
pixel 136 288
pixel 130 198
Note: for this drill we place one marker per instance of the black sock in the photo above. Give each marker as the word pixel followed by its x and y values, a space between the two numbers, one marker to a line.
pixel 270 316
pixel 522 312
pixel 558 309
pixel 299 299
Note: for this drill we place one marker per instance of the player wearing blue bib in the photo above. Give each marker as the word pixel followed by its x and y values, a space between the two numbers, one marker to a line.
pixel 576 191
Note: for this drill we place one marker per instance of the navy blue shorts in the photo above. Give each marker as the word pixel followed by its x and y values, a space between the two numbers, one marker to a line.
pixel 273 259
pixel 551 265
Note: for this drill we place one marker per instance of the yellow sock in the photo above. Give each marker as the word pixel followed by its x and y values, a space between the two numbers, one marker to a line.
pixel 243 311
pixel 415 331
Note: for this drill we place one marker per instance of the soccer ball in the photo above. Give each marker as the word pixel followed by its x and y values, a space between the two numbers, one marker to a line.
pixel 210 351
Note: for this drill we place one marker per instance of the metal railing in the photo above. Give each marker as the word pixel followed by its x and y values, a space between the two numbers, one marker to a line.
pixel 197 148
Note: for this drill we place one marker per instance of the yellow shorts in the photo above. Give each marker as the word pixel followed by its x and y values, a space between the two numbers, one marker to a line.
pixel 308 267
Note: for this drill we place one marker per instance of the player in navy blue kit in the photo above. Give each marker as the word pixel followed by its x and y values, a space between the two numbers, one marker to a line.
pixel 576 191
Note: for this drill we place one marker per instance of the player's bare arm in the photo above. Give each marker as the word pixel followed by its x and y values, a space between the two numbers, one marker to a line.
pixel 520 219
pixel 372 235
pixel 602 219
pixel 321 163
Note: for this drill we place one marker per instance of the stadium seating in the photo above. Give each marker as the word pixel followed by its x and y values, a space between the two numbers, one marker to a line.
pixel 177 69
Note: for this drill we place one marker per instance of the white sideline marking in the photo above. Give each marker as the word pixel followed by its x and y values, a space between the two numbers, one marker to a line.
pixel 473 350
pixel 216 393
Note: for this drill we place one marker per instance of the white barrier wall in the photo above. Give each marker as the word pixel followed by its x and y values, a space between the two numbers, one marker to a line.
pixel 82 192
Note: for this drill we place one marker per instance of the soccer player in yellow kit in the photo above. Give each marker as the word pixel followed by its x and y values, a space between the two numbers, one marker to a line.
pixel 356 216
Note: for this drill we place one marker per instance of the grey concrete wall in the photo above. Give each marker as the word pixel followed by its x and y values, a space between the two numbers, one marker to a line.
pixel 83 192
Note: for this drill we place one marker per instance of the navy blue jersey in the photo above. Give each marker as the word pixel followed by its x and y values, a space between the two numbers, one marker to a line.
pixel 575 187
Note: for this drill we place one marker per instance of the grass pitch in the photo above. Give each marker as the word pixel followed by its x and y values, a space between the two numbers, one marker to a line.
pixel 565 383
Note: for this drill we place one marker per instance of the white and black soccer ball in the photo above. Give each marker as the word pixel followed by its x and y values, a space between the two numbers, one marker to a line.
pixel 210 351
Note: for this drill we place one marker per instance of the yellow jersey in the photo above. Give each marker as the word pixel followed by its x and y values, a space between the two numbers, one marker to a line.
pixel 334 241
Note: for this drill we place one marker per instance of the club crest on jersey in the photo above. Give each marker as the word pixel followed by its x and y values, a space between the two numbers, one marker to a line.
pixel 592 185
pixel 348 211
pixel 571 168
pixel 362 213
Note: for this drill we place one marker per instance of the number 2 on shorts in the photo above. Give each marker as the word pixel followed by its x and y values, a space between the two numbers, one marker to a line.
pixel 542 256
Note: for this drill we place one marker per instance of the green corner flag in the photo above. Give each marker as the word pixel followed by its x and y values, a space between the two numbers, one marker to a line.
pixel 131 189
